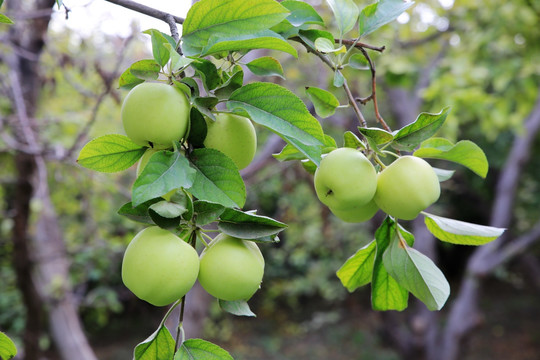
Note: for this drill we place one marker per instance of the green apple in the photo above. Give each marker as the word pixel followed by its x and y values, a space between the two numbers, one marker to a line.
pixel 406 187
pixel 142 164
pixel 231 268
pixel 155 115
pixel 345 179
pixel 233 135
pixel 159 267
pixel 356 214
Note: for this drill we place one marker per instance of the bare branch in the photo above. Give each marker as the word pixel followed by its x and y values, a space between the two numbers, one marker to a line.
pixel 361 45
pixel 146 10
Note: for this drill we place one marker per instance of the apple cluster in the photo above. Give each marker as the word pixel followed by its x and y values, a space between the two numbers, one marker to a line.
pixel 160 267
pixel 347 182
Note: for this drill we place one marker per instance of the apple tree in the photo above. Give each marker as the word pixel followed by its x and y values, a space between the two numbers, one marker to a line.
pixel 189 119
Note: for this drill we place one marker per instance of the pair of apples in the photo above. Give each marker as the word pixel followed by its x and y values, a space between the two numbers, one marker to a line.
pixel 155 115
pixel 160 268
pixel 349 185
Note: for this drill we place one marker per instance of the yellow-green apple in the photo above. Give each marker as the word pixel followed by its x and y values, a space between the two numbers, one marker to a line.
pixel 356 214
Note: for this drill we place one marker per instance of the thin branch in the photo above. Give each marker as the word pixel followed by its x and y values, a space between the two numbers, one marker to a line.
pixel 424 40
pixel 146 10
pixel 361 45
pixel 353 103
pixel 169 19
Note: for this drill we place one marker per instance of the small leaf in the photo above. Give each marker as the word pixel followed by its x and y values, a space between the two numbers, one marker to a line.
pixel 443 174
pixel 326 46
pixel 138 213
pixel 324 101
pixel 233 83
pixel 266 66
pixel 339 80
pixel 465 152
pixel 302 13
pixel 110 153
pixel 164 172
pixel 311 35
pixel 460 232
pixel 207 212
pixel 168 209
pixel 380 13
pixel 379 136
pixel 350 140
pixel 238 307
pixel 5 20
pixel 160 52
pixel 246 225
pixel 197 349
pixel 197 129
pixel 358 62
pixel 145 69
pixel 159 346
pixel 289 152
pixel 7 347
pixel 217 178
pixel 207 72
pixel 358 269
pixel 346 13
pixel 177 61
pixel 417 273
pixel 424 127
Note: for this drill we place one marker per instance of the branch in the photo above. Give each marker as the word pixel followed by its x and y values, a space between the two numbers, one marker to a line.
pixel 146 10
pixel 361 45
pixel 425 40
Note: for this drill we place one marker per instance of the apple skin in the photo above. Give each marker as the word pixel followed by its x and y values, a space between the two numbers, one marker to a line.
pixel 345 179
pixel 233 135
pixel 356 214
pixel 231 268
pixel 155 115
pixel 159 267
pixel 406 187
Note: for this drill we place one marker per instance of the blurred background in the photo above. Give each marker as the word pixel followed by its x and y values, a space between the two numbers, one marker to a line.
pixel 61 241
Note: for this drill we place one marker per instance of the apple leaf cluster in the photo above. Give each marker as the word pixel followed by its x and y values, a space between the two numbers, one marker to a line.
pixel 189 120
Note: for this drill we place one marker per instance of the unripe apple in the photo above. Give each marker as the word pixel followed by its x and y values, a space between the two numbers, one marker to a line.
pixel 155 115
pixel 345 179
pixel 231 268
pixel 356 214
pixel 233 135
pixel 159 267
pixel 406 187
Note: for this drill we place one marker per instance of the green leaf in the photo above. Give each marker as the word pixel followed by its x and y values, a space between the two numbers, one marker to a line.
pixel 145 69
pixel 265 39
pixel 460 232
pixel 266 66
pixel 160 52
pixel 264 102
pixel 326 46
pixel 238 307
pixel 59 3
pixel 443 174
pixel 350 140
pixel 380 13
pixel 424 127
pixel 205 105
pixel 177 61
pixel 207 71
pixel 138 213
pixel 7 347
pixel 289 152
pixel 416 273
pixel 358 269
pixel 197 349
pixel 386 293
pixel 465 153
pixel 110 153
pixel 207 211
pixel 233 83
pixel 228 18
pixel 358 62
pixel 246 225
pixel 339 80
pixel 217 178
pixel 302 13
pixel 377 135
pixel 164 172
pixel 346 14
pixel 324 101
pixel 159 346
pixel 5 20
pixel 310 36
pixel 169 210
pixel 197 129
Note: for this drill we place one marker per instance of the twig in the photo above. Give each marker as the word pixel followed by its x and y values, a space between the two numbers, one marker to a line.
pixel 353 103
pixel 361 45
pixel 146 10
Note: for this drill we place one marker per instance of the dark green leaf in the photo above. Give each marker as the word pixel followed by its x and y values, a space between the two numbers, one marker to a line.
pixel 380 13
pixel 197 349
pixel 110 153
pixel 5 20
pixel 164 222
pixel 207 212
pixel 169 210
pixel 227 18
pixel 238 307
pixel 217 179
pixel 197 129
pixel 310 36
pixel 266 66
pixel 234 82
pixel 417 273
pixel 160 52
pixel 192 85
pixel 358 269
pixel 246 225
pixel 346 14
pixel 358 62
pixel 379 136
pixel 207 71
pixel 460 232
pixel 289 152
pixel 164 172
pixel 138 213
pixel 7 347
pixel 424 127
pixel 386 293
pixel 352 141
pixel 264 102
pixel 465 152
pixel 324 101
pixel 159 346
pixel 145 69
pixel 302 13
